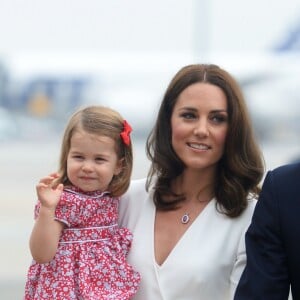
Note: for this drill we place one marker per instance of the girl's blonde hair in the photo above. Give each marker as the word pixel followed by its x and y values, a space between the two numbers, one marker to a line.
pixel 102 121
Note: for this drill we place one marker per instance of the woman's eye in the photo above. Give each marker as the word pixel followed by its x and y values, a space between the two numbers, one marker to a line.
pixel 219 118
pixel 188 115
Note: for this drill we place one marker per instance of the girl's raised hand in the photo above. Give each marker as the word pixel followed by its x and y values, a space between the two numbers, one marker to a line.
pixel 48 191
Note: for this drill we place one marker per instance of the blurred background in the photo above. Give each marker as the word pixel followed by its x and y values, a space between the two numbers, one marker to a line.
pixel 58 55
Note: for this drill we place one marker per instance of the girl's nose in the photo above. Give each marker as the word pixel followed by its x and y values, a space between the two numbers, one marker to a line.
pixel 87 167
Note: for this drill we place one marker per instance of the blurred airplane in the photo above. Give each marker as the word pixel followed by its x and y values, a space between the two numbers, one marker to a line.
pixel 271 84
pixel 48 88
pixel 44 88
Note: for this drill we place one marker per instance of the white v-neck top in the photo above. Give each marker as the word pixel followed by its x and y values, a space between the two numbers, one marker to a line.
pixel 205 264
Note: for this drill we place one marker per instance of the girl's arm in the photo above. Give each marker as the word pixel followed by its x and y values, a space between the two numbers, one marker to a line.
pixel 46 231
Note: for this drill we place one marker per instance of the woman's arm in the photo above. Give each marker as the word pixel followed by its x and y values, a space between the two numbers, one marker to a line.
pixel 241 258
pixel 239 267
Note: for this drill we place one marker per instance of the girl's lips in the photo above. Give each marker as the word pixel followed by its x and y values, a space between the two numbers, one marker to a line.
pixel 86 178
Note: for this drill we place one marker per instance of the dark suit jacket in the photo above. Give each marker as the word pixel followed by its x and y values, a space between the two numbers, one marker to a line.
pixel 273 240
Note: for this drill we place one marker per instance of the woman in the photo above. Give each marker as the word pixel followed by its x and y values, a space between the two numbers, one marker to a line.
pixel 189 216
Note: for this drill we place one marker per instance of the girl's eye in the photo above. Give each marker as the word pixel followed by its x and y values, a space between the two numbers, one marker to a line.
pixel 99 159
pixel 77 157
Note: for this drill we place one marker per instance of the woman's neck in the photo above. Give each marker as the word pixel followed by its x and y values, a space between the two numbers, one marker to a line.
pixel 195 185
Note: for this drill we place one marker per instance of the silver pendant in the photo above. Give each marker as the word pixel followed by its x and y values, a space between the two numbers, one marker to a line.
pixel 185 218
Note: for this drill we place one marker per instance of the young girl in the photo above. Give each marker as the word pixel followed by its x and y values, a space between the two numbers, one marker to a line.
pixel 78 250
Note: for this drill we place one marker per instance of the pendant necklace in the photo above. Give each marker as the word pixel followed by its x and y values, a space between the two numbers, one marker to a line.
pixel 185 218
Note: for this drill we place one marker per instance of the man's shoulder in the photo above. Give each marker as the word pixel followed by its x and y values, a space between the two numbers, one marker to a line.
pixel 288 170
pixel 283 180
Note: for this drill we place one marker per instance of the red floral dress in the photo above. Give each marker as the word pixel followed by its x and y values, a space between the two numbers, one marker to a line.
pixel 90 262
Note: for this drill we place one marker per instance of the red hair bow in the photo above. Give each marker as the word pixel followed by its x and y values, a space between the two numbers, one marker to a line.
pixel 125 134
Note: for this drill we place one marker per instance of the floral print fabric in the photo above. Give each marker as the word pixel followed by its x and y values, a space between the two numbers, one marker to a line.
pixel 90 262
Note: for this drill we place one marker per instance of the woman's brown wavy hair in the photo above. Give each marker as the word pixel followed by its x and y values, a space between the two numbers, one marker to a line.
pixel 102 121
pixel 241 167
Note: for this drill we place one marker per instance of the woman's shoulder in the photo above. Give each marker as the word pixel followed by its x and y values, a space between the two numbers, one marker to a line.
pixel 137 186
pixel 252 203
pixel 248 211
pixel 135 193
pixel 134 183
pixel 132 202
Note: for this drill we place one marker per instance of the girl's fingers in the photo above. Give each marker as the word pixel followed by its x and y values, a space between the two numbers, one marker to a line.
pixel 48 179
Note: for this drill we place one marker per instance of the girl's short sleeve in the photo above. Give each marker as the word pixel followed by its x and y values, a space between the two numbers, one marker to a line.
pixel 37 209
pixel 66 210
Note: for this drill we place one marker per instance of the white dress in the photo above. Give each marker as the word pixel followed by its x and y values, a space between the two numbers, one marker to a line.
pixel 205 264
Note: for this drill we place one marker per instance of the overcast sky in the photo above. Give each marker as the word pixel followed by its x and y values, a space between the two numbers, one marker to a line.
pixel 192 27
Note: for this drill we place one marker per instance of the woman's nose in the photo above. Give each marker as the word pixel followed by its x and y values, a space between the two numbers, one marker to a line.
pixel 201 128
